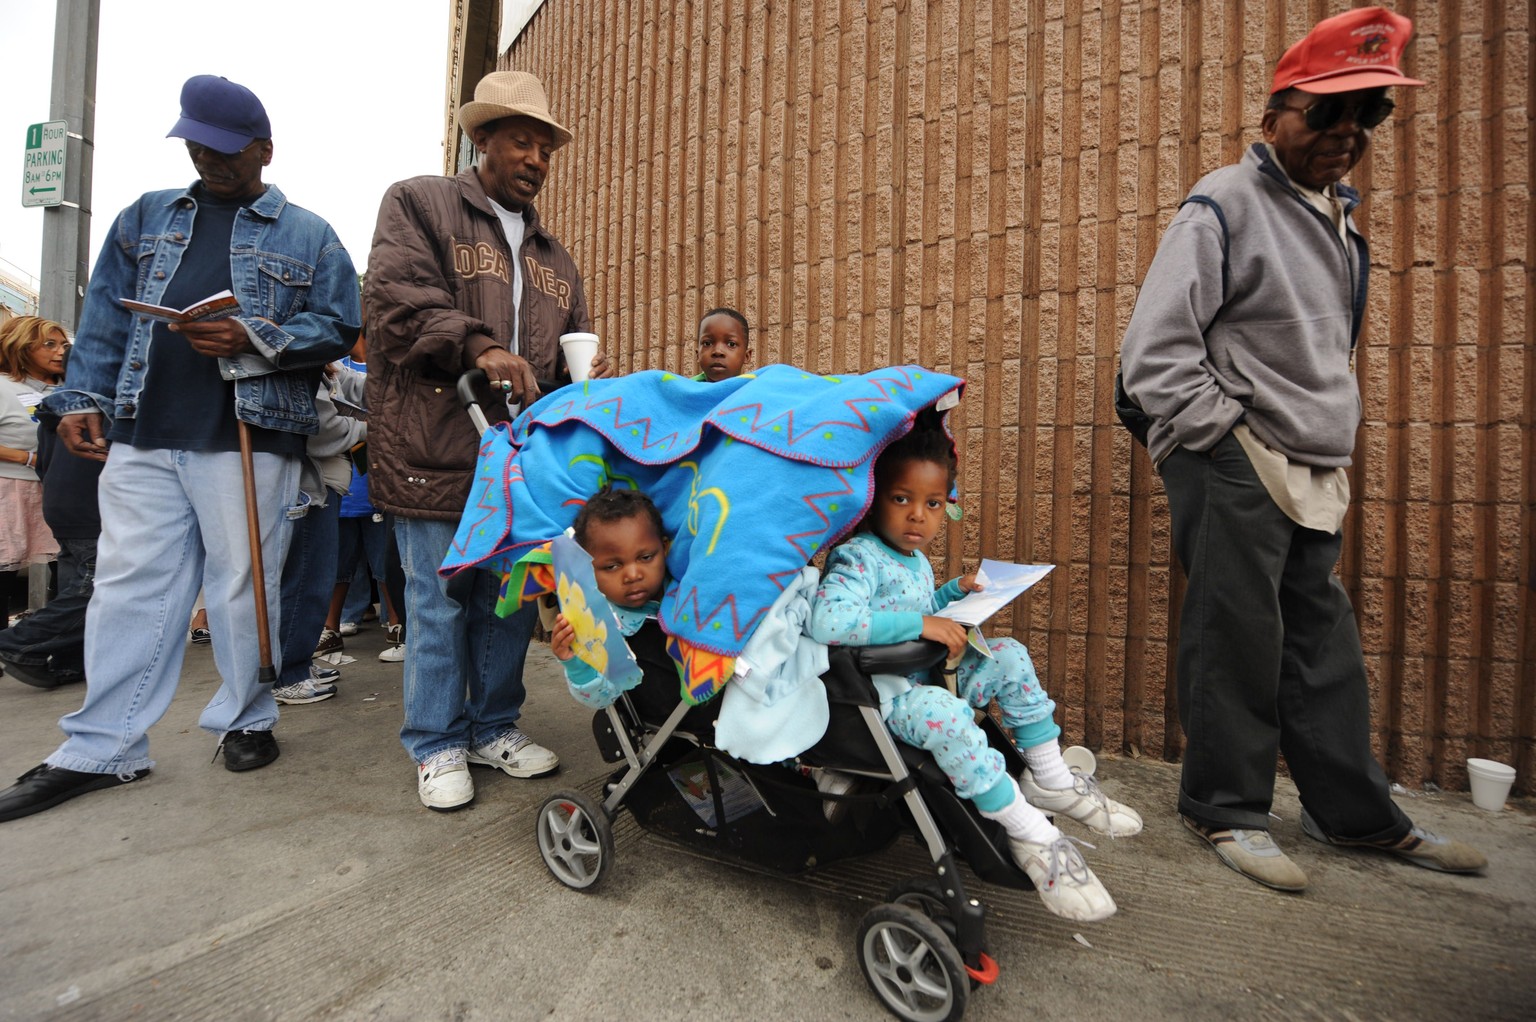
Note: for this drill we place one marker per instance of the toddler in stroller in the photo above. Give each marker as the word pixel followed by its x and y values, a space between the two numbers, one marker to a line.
pixel 879 588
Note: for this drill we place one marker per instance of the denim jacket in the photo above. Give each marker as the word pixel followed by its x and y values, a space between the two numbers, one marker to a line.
pixel 298 296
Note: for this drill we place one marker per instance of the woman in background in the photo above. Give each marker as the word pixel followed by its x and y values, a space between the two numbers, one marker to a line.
pixel 31 364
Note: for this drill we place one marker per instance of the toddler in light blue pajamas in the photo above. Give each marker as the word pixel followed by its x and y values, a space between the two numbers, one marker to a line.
pixel 879 589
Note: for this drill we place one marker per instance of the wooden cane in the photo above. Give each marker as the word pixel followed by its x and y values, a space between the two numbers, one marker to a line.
pixel 267 675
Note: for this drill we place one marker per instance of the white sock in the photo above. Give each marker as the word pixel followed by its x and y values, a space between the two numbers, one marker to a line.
pixel 1047 767
pixel 1022 821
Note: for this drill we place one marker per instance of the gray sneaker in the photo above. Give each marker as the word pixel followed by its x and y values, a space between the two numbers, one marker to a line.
pixel 1254 854
pixel 1420 846
pixel 305 691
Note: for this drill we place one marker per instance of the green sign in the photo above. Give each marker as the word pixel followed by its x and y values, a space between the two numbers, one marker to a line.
pixel 42 175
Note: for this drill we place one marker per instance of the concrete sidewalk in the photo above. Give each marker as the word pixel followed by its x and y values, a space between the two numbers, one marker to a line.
pixel 320 888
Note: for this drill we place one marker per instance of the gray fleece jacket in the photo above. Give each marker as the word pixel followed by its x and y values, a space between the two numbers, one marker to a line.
pixel 1273 348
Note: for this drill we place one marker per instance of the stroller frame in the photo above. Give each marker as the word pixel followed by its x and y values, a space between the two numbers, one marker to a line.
pixel 925 948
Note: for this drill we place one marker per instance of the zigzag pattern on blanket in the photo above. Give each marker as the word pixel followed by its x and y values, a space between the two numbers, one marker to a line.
pixel 753 476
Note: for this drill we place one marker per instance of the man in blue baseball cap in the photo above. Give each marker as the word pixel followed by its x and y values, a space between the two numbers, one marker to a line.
pixel 157 401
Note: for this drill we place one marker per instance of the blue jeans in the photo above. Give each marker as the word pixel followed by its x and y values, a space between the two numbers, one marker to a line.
pixel 171 521
pixel 359 594
pixel 58 628
pixel 306 589
pixel 463 664
pixel 362 546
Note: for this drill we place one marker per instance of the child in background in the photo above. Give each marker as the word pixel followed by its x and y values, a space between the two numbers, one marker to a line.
pixel 621 530
pixel 879 589
pixel 723 345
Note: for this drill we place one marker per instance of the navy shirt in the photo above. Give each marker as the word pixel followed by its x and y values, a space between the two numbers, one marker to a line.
pixel 186 405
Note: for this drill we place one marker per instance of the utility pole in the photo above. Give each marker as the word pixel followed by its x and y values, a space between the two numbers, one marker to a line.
pixel 67 226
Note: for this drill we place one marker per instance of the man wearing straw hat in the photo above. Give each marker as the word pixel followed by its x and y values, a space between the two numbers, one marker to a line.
pixel 463 276
pixel 1240 352
pixel 158 403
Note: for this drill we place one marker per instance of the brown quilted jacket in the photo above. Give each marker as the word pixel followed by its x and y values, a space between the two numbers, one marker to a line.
pixel 438 292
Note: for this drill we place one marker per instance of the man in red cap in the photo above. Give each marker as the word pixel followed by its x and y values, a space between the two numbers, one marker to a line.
pixel 1240 353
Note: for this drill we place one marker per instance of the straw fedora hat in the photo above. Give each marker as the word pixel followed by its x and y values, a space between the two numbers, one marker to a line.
pixel 510 94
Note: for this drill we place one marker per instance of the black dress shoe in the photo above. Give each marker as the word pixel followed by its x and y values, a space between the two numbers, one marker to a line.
pixel 44 787
pixel 248 750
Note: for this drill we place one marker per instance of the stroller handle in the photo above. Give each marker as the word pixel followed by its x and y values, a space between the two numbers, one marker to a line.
pixel 472 380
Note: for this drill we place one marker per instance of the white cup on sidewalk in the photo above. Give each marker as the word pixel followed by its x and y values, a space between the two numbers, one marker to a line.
pixel 1080 760
pixel 580 349
pixel 1491 782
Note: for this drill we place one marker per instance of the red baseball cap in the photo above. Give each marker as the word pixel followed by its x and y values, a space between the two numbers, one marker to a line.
pixel 1358 49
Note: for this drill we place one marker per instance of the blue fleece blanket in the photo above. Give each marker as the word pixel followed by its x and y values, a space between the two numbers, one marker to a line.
pixel 752 476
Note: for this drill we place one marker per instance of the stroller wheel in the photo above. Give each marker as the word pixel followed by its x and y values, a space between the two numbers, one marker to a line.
pixel 575 838
pixel 926 897
pixel 912 965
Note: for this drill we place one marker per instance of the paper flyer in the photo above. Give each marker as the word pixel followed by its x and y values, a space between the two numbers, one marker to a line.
pixel 1002 582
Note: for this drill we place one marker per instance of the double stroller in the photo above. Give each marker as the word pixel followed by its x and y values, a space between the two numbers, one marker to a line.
pixel 924 949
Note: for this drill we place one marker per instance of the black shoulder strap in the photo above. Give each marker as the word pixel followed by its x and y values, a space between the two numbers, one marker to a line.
pixel 1221 218
pixel 1129 412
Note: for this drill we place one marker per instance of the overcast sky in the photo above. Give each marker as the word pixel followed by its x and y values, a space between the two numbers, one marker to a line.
pixel 354 90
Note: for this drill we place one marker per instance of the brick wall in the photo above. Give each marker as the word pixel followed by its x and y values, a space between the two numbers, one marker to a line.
pixel 979 187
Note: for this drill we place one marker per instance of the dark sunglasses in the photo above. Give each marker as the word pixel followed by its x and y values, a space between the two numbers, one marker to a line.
pixel 1330 110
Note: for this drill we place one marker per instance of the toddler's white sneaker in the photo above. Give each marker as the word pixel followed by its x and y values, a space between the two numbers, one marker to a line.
pixel 1085 802
pixel 1065 883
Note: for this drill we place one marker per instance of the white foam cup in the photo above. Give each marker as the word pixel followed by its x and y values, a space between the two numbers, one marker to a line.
pixel 580 350
pixel 1491 782
pixel 1080 760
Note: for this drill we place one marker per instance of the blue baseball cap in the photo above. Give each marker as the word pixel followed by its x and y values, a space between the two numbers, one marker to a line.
pixel 217 113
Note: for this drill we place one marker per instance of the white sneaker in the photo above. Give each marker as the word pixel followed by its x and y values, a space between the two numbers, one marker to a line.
pixel 348 629
pixel 1085 803
pixel 443 781
pixel 516 754
pixel 394 653
pixel 1065 883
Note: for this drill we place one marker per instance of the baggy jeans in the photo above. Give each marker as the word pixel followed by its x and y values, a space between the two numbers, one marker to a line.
pixel 173 521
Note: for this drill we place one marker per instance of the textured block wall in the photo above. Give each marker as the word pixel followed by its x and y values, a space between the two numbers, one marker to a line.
pixel 979 187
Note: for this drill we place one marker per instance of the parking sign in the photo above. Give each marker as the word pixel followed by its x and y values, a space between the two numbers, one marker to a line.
pixel 42 176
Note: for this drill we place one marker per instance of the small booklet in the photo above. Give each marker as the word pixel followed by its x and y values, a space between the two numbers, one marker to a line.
pixel 219 306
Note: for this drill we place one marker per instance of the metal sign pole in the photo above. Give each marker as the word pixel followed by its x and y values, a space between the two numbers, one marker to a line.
pixel 67 226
